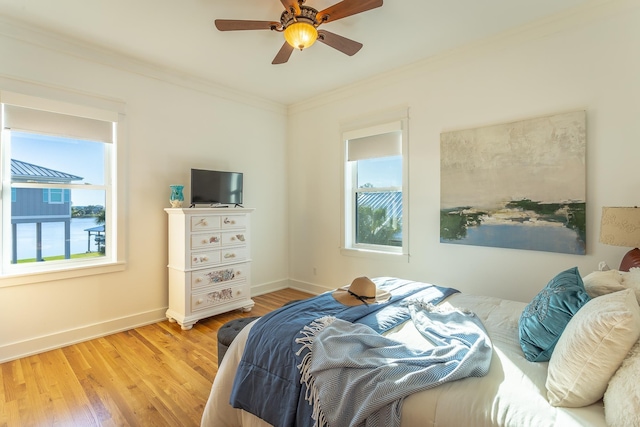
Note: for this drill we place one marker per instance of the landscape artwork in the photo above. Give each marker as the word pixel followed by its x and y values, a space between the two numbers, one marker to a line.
pixel 519 185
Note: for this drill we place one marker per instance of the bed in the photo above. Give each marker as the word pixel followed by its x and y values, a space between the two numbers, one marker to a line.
pixel 514 391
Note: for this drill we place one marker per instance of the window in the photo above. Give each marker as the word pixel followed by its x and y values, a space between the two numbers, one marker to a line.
pixel 375 183
pixel 60 193
pixel 54 195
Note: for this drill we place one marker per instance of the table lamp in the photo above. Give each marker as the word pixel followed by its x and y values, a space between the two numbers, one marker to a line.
pixel 620 226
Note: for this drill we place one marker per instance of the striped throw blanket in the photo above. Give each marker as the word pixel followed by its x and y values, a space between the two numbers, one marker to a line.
pixel 356 377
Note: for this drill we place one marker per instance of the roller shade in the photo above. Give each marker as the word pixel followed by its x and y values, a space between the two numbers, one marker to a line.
pixel 44 116
pixel 369 147
pixel 46 122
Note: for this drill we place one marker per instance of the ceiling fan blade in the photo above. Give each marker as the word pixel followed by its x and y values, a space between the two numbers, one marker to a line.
pixel 288 4
pixel 235 25
pixel 343 44
pixel 283 55
pixel 346 8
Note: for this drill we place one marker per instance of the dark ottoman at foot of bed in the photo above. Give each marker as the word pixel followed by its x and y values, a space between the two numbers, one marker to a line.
pixel 228 332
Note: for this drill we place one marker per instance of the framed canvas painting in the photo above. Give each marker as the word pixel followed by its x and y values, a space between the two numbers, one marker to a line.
pixel 519 185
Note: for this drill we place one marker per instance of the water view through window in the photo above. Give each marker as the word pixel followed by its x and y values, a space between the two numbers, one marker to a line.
pixel 53 239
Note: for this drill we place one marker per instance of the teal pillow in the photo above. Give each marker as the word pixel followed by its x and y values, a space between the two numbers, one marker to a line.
pixel 544 319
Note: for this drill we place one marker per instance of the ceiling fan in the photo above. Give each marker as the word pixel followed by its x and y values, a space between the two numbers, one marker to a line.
pixel 299 24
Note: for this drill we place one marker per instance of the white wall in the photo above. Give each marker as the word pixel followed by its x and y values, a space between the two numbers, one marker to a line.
pixel 174 124
pixel 584 61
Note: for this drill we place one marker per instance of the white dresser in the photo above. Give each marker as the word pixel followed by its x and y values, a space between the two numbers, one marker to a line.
pixel 209 263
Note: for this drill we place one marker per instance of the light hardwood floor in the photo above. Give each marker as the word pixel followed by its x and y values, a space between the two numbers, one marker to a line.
pixel 155 375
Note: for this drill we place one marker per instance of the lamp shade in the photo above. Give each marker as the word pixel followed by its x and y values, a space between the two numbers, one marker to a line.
pixel 300 35
pixel 620 226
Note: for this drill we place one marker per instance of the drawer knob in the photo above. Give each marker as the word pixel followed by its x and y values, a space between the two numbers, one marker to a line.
pixel 200 301
pixel 198 279
pixel 229 221
pixel 205 241
pixel 230 255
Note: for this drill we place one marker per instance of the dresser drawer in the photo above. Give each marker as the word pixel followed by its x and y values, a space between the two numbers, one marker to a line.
pixel 205 240
pixel 210 257
pixel 233 254
pixel 234 237
pixel 219 295
pixel 234 221
pixel 205 223
pixel 211 276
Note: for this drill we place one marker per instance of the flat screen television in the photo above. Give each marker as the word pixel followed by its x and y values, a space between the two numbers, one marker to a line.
pixel 216 187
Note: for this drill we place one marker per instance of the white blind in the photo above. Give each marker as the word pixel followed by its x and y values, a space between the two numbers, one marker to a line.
pixel 380 145
pixel 31 114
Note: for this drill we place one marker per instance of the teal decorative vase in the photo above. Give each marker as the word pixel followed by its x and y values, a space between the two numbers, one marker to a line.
pixel 177 198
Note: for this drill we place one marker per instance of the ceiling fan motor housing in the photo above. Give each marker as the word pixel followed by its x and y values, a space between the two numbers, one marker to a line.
pixel 307 14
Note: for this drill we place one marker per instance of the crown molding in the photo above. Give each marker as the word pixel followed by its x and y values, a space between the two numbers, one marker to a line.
pixel 21 31
pixel 585 14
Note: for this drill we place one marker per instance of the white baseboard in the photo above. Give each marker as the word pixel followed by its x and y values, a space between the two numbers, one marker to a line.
pixel 57 340
pixel 312 288
pixel 61 339
pixel 265 288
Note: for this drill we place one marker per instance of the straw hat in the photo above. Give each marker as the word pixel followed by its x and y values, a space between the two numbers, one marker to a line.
pixel 361 291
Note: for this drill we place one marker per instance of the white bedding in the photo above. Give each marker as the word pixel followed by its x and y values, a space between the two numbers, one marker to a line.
pixel 512 394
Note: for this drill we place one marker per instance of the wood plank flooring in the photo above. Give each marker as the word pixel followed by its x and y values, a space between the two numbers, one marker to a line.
pixel 155 375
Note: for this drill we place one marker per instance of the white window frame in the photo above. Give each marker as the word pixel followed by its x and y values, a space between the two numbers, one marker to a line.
pixel 376 125
pixel 61 101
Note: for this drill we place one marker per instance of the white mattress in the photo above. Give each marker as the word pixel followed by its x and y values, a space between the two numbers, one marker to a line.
pixel 512 394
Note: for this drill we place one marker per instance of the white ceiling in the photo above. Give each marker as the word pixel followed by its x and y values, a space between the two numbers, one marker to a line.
pixel 180 35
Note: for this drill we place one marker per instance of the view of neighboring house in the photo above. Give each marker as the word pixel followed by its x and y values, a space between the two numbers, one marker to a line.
pixel 39 205
pixel 382 211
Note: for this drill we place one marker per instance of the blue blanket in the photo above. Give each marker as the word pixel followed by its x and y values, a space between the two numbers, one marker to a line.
pixel 357 377
pixel 268 382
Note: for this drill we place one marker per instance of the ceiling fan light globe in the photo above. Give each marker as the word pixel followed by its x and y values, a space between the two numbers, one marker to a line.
pixel 300 35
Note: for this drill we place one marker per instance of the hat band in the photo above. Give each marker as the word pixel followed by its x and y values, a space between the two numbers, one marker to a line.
pixel 361 297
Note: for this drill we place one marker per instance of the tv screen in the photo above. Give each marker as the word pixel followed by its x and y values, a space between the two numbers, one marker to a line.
pixel 216 187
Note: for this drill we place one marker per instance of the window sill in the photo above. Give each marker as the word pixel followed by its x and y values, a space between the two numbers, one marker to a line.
pixel 26 278
pixel 363 253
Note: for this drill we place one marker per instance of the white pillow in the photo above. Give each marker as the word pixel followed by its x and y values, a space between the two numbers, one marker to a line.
pixel 622 398
pixel 591 348
pixel 603 282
